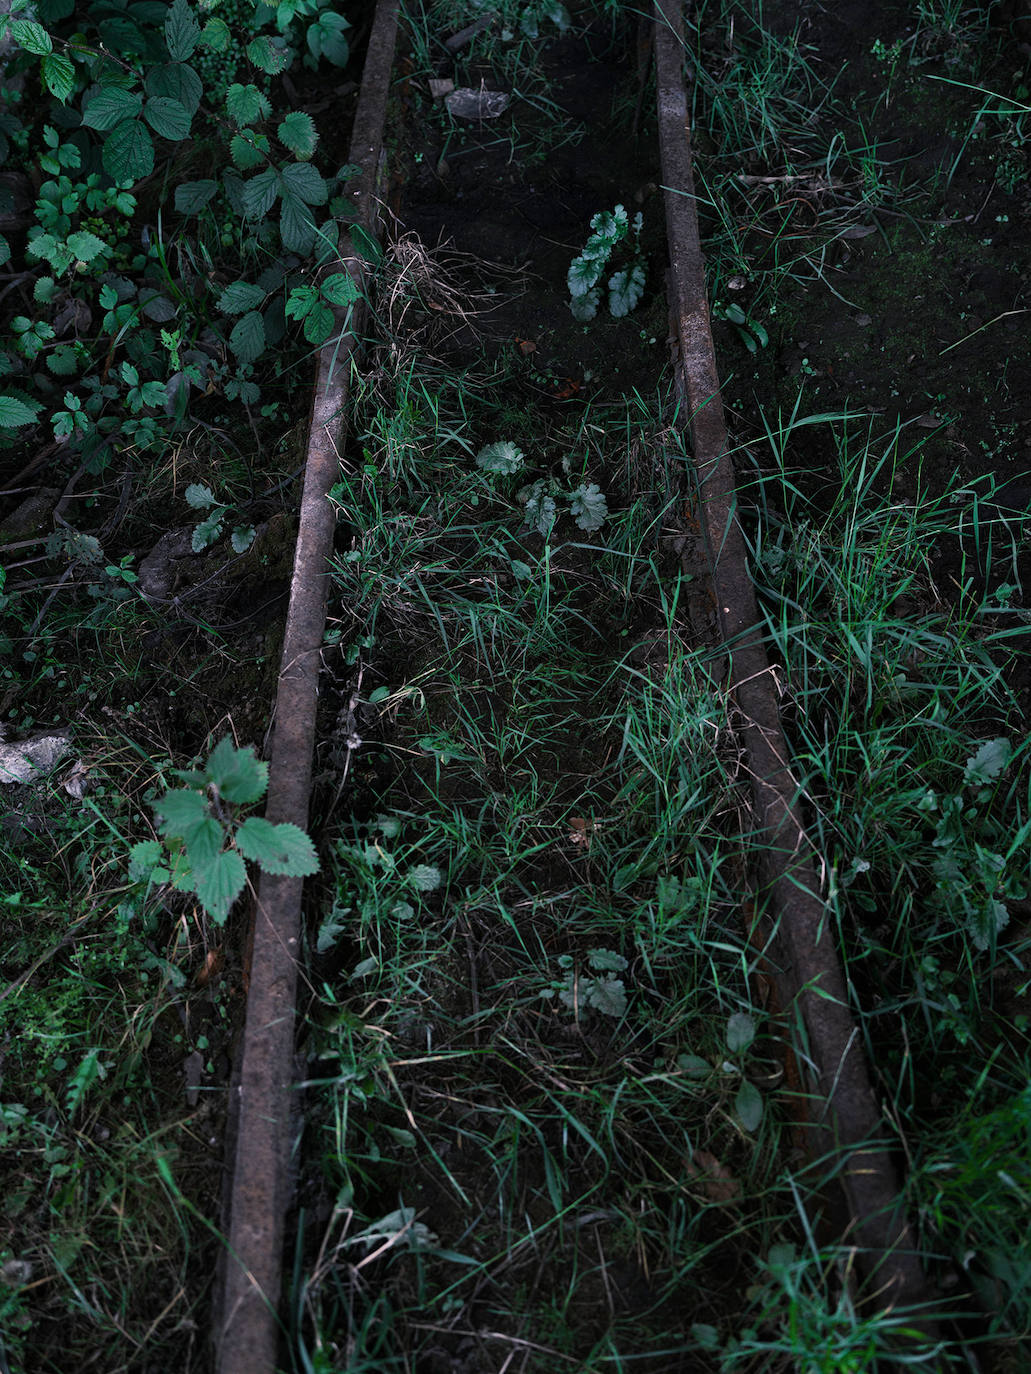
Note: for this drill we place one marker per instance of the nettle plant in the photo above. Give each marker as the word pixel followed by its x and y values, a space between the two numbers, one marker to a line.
pixel 136 311
pixel 614 235
pixel 204 842
pixel 587 504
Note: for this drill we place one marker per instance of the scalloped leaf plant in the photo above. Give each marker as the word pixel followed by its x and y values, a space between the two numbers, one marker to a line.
pixel 204 843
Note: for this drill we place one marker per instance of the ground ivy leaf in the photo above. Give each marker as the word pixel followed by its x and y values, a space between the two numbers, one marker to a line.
pixel 221 882
pixel 284 850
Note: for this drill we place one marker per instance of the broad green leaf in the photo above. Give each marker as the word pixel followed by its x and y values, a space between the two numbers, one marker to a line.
pixel 240 776
pixel 748 1104
pixel 318 323
pixel 991 759
pixel 607 995
pixel 268 56
pixel 296 226
pixel 503 457
pixel 302 180
pixel 606 960
pixel 180 809
pixel 584 308
pixel 740 1031
pixel 259 194
pixel 63 361
pixel 246 104
pixel 192 196
pixel 178 82
pixel 239 297
pixel 242 536
pixel 340 289
pixel 221 882
pixel 248 149
pixel 129 152
pixel 625 290
pixel 326 39
pixel 199 496
pixel 207 532
pixel 167 117
pixel 32 37
pixel 284 850
pixel 588 507
pixel 583 274
pixel 15 413
pixel 694 1065
pixel 248 337
pixel 297 133
pixel 182 31
pixel 147 862
pixel 216 35
pixel 203 842
pixel 425 877
pixel 58 75
pixel 109 107
pixel 86 246
pixel 300 301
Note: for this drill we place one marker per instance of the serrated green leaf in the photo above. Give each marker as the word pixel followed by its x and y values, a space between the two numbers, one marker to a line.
pixel 192 196
pixel 606 960
pixel 216 35
pixel 180 810
pixel 283 850
pixel 63 361
pixel 302 180
pixel 297 133
pixel 267 56
pixel 203 842
pixel 239 297
pixel 584 308
pixel 248 149
pixel 259 194
pixel 300 301
pixel 296 225
pixel 128 152
pixel 318 324
pixel 589 507
pixel 242 536
pixel 425 877
pixel 583 274
pixel 15 413
pixel 248 337
pixel 625 290
pixel 246 104
pixel 147 862
pixel 86 246
pixel 340 289
pixel 991 759
pixel 503 457
pixel 58 75
pixel 32 37
pixel 109 107
pixel 240 776
pixel 176 81
pixel 182 31
pixel 607 995
pixel 199 496
pixel 748 1106
pixel 740 1031
pixel 205 534
pixel 167 117
pixel 221 882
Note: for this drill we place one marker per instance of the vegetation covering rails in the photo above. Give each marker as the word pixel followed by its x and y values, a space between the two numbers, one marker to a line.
pixel 545 1107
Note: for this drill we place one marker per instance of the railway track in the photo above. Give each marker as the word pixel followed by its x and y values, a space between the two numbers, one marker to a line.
pixel 855 1186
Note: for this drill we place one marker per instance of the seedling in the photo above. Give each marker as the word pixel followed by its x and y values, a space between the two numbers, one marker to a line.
pixel 210 528
pixel 626 286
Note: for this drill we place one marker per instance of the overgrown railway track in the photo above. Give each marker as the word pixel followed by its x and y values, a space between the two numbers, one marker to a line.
pixel 855 1186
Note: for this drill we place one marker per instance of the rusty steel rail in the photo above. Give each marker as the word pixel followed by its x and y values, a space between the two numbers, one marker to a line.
pixel 845 1130
pixel 247 1325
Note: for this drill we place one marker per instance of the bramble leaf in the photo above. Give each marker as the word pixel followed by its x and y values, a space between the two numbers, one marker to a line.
pixel 109 107
pixel 192 196
pixel 268 56
pixel 284 850
pixel 248 337
pixel 239 297
pixel 128 153
pixel 248 149
pixel 15 413
pixel 181 809
pixel 58 75
pixel 296 226
pixel 182 31
pixel 318 323
pixel 178 82
pixel 32 37
pixel 340 289
pixel 167 117
pixel 259 194
pixel 302 180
